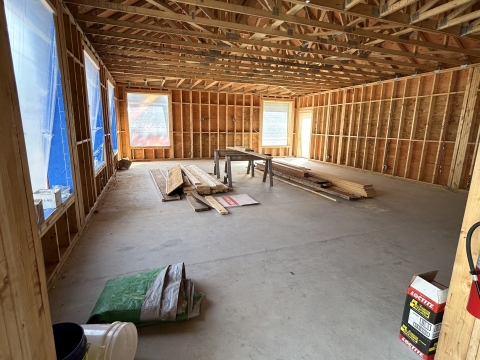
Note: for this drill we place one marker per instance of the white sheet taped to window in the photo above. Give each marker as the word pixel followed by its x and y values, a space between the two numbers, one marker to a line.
pixel 275 123
pixel 32 40
pixel 148 119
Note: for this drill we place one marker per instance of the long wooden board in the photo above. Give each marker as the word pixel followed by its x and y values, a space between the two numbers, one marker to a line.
pixel 161 183
pixel 200 199
pixel 215 204
pixel 196 206
pixel 175 179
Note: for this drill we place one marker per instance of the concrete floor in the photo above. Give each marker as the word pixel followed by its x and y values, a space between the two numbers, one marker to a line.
pixel 296 277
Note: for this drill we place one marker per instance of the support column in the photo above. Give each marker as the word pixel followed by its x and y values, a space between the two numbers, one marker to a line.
pixel 460 332
pixel 25 328
pixel 464 127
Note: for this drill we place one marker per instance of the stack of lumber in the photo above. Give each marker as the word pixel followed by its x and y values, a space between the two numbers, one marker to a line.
pixel 357 188
pixel 318 185
pixel 193 182
pixel 204 183
pixel 360 189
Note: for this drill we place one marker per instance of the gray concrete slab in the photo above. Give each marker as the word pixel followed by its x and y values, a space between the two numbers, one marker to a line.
pixel 296 277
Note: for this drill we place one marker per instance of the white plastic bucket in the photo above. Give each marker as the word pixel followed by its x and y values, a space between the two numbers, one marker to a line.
pixel 117 341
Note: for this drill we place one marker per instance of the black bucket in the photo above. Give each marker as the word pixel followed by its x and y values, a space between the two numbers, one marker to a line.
pixel 70 341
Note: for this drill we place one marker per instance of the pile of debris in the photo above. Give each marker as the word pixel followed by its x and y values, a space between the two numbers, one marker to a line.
pixel 319 182
pixel 193 182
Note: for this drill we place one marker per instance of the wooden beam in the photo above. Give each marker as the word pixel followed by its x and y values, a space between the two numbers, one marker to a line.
pixel 459 10
pixel 351 3
pixel 422 15
pixel 258 13
pixel 391 7
pixel 446 23
pixel 371 12
pixel 290 68
pixel 464 127
pixel 236 50
pixel 459 334
pixel 244 41
pixel 26 327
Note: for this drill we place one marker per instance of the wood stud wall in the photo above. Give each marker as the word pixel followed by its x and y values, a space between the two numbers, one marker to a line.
pixel 407 128
pixel 62 228
pixel 194 138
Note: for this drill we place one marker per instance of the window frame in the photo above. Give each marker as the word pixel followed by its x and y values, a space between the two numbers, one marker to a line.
pixel 170 117
pixel 291 115
pixel 64 132
pixel 88 53
pixel 114 151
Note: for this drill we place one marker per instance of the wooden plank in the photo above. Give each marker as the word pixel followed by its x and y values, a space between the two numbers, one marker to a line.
pixel 193 180
pixel 175 179
pixel 290 170
pixel 196 206
pixel 305 189
pixel 200 198
pixel 457 332
pixel 25 311
pixel 464 128
pixel 161 184
pixel 216 205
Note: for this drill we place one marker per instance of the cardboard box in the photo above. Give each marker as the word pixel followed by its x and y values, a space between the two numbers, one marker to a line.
pixel 415 349
pixel 423 314
pixel 39 211
pixel 51 198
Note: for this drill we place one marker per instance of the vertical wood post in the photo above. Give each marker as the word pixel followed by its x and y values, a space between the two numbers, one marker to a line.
pixel 460 332
pixel 464 127
pixel 26 329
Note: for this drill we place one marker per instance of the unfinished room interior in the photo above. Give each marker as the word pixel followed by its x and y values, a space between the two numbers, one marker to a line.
pixel 239 179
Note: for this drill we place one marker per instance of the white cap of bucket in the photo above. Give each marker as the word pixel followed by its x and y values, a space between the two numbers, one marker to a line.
pixel 116 341
pixel 122 342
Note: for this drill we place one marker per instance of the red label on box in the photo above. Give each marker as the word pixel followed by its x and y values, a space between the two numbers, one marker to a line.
pixel 414 349
pixel 425 300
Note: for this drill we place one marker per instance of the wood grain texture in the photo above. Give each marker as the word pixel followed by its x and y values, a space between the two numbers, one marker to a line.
pixel 216 205
pixel 196 206
pixel 25 327
pixel 457 332
pixel 174 179
pixel 161 184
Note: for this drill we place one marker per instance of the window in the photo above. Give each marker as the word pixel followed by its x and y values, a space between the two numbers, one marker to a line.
pixel 276 123
pixel 148 119
pixel 95 111
pixel 113 117
pixel 31 33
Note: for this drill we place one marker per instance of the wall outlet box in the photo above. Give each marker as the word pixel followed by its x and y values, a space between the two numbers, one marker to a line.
pixel 51 198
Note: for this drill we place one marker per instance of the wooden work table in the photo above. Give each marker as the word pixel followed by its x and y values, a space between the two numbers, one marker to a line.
pixel 242 154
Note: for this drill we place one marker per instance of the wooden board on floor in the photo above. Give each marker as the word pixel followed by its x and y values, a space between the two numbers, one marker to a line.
pixel 175 179
pixel 215 204
pixel 161 184
pixel 196 206
pixel 200 199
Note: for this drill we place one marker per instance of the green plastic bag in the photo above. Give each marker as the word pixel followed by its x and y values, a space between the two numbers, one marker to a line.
pixel 148 298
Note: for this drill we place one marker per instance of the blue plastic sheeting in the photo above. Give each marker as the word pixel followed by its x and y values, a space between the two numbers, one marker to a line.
pixel 31 33
pixel 113 117
pixel 95 111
